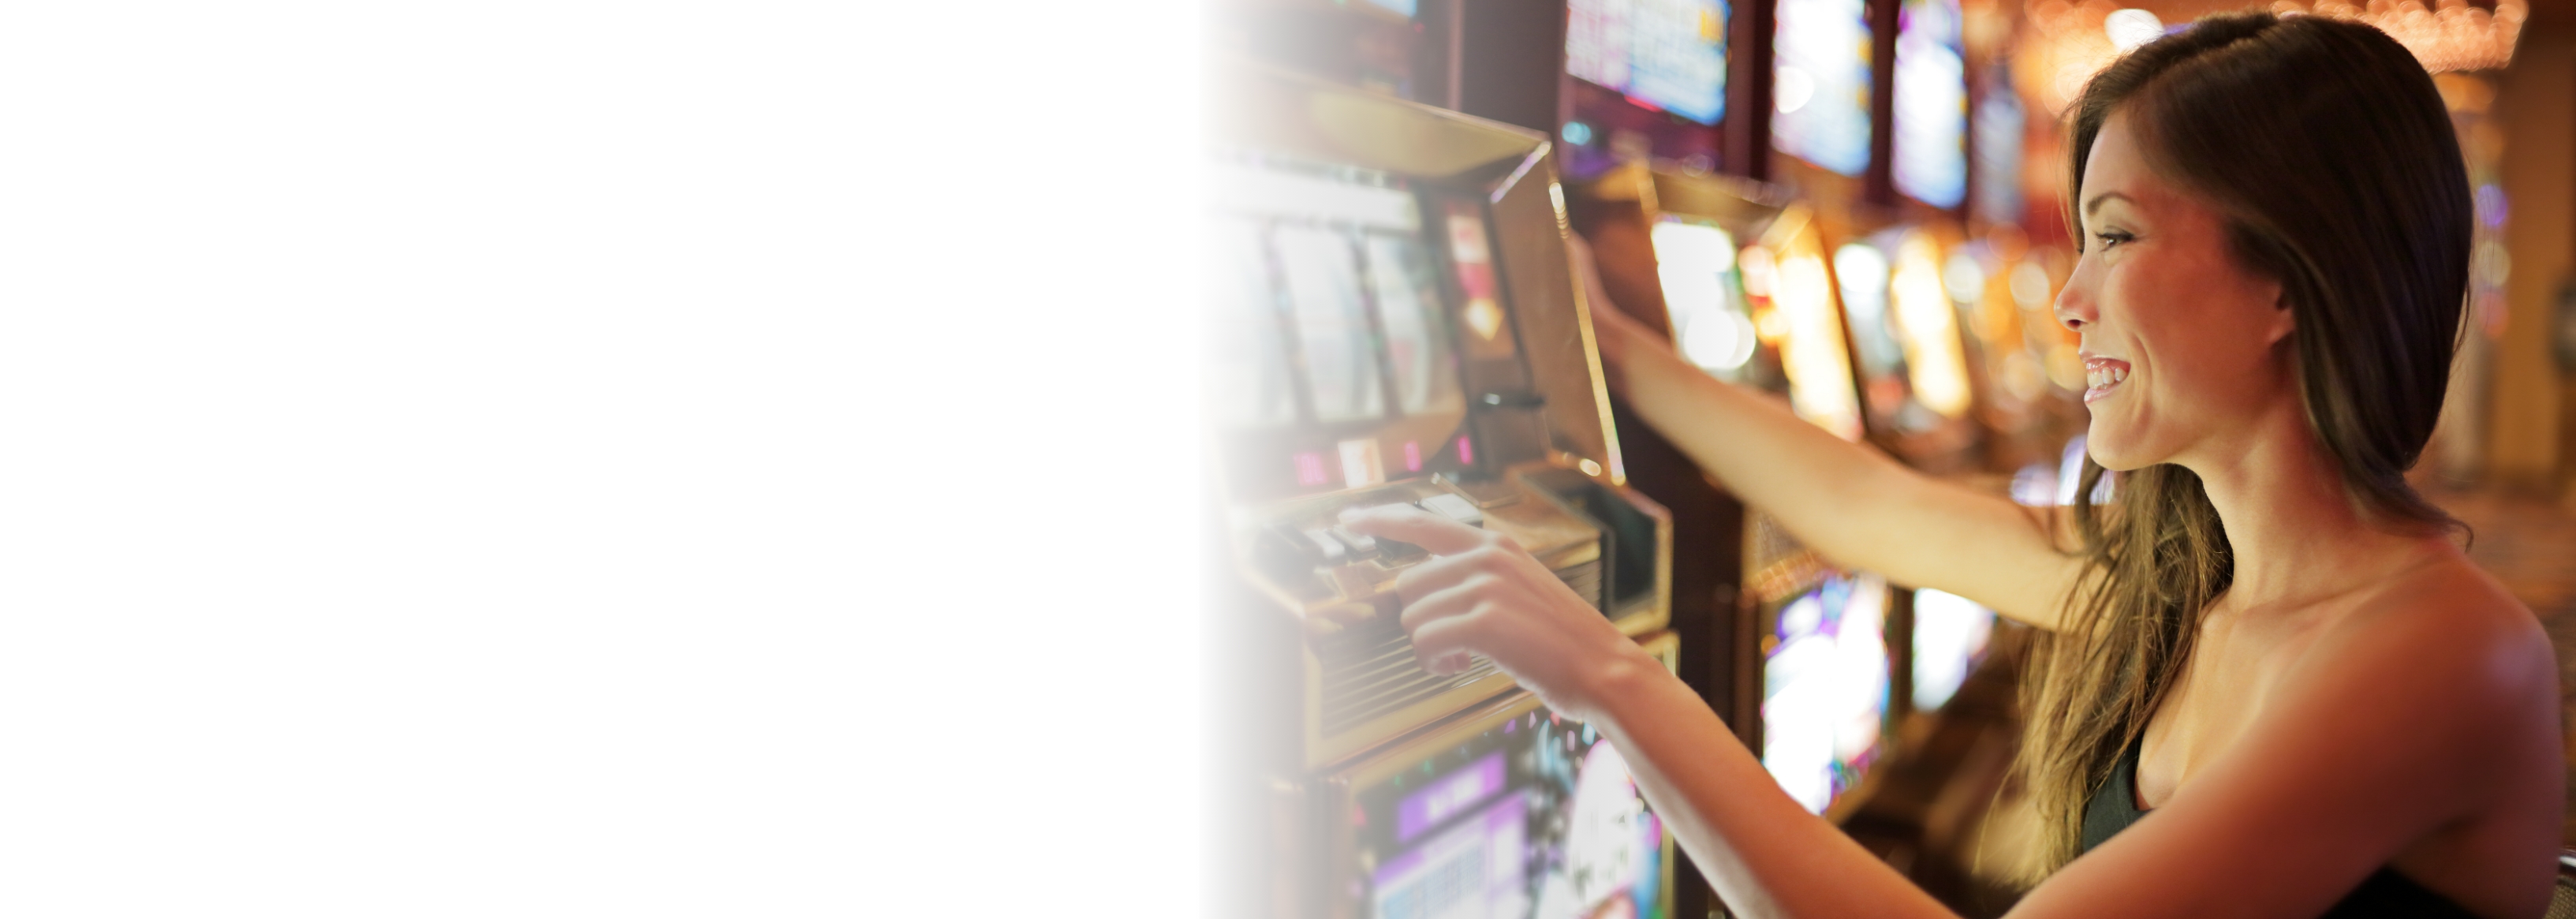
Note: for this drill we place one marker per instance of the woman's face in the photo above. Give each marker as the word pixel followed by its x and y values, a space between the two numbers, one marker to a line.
pixel 2182 347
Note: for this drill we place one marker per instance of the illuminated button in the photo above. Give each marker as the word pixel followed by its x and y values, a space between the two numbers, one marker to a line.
pixel 1328 551
pixel 1454 508
pixel 1360 544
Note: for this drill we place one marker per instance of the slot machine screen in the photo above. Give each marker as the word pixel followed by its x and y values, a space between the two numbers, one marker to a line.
pixel 1518 813
pixel 1905 330
pixel 1668 54
pixel 1999 125
pixel 1821 83
pixel 1950 637
pixel 1704 294
pixel 1927 319
pixel 1794 310
pixel 1860 271
pixel 1341 295
pixel 1825 679
pixel 1931 152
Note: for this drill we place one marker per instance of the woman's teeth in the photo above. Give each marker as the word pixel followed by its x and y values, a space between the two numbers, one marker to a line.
pixel 2101 375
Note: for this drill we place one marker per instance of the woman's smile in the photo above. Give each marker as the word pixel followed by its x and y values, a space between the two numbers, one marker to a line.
pixel 2102 375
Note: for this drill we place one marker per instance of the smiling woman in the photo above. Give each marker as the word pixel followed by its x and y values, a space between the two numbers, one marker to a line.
pixel 2265 638
pixel 2220 218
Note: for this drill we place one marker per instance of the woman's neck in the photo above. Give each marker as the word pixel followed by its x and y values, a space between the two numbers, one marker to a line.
pixel 2293 529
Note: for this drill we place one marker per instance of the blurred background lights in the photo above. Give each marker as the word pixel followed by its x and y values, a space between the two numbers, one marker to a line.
pixel 1723 341
pixel 1929 327
pixel 1793 88
pixel 1963 278
pixel 2075 40
pixel 1862 269
pixel 1755 269
pixel 2491 207
pixel 2029 285
pixel 2492 263
pixel 1950 636
pixel 1694 260
pixel 2130 28
pixel 1577 133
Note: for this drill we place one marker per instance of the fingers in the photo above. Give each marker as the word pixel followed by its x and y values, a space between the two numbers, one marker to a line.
pixel 1466 599
pixel 1439 573
pixel 1446 646
pixel 1452 601
pixel 1436 534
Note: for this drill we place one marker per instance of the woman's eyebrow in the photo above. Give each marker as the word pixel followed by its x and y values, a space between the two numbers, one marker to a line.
pixel 2096 203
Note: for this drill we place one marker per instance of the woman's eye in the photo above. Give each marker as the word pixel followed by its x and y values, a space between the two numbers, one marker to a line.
pixel 2112 239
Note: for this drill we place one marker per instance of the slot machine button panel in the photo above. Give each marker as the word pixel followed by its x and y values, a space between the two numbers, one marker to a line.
pixel 1454 508
pixel 1360 545
pixel 1400 554
pixel 1484 493
pixel 1326 550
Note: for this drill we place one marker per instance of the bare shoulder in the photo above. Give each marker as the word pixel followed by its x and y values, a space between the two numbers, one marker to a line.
pixel 2442 639
pixel 2435 699
pixel 2448 604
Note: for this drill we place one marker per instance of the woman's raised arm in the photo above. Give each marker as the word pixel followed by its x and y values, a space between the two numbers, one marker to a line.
pixel 1852 503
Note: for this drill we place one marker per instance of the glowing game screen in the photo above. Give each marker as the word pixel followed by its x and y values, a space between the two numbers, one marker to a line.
pixel 1415 327
pixel 1861 275
pixel 1931 153
pixel 1820 83
pixel 1794 312
pixel 1529 816
pixel 1999 125
pixel 1950 636
pixel 1323 287
pixel 1668 54
pixel 1247 380
pixel 1336 361
pixel 1825 679
pixel 1712 322
pixel 1905 330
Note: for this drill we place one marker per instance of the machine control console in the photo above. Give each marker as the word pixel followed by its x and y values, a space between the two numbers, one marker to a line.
pixel 1454 508
pixel 1336 577
pixel 1291 550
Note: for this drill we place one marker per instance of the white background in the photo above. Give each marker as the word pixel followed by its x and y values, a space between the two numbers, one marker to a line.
pixel 555 459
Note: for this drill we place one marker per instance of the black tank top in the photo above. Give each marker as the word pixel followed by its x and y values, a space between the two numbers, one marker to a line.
pixel 2385 893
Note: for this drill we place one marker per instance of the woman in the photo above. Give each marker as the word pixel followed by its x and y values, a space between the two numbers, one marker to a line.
pixel 2267 639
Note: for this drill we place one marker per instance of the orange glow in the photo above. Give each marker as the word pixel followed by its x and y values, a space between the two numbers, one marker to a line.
pixel 2073 42
pixel 1813 355
pixel 1928 327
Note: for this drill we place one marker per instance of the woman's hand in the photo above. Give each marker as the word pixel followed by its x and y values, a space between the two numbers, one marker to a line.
pixel 1483 594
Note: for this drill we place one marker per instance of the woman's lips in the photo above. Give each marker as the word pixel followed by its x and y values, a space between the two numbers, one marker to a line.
pixel 2102 375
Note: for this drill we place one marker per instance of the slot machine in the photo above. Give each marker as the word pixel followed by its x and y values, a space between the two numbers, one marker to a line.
pixel 1908 346
pixel 1508 810
pixel 1396 321
pixel 1736 273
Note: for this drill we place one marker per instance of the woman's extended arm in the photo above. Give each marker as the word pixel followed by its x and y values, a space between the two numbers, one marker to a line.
pixel 1766 855
pixel 1854 504
pixel 2375 740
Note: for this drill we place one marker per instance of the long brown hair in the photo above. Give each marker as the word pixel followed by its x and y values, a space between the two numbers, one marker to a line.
pixel 2327 149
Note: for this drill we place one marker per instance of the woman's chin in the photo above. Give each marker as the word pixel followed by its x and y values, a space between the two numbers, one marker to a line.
pixel 2112 451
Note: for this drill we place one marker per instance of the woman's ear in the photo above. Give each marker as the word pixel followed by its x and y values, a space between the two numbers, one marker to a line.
pixel 2284 319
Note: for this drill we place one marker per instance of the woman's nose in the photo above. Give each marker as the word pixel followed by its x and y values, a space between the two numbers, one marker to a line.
pixel 2075 303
